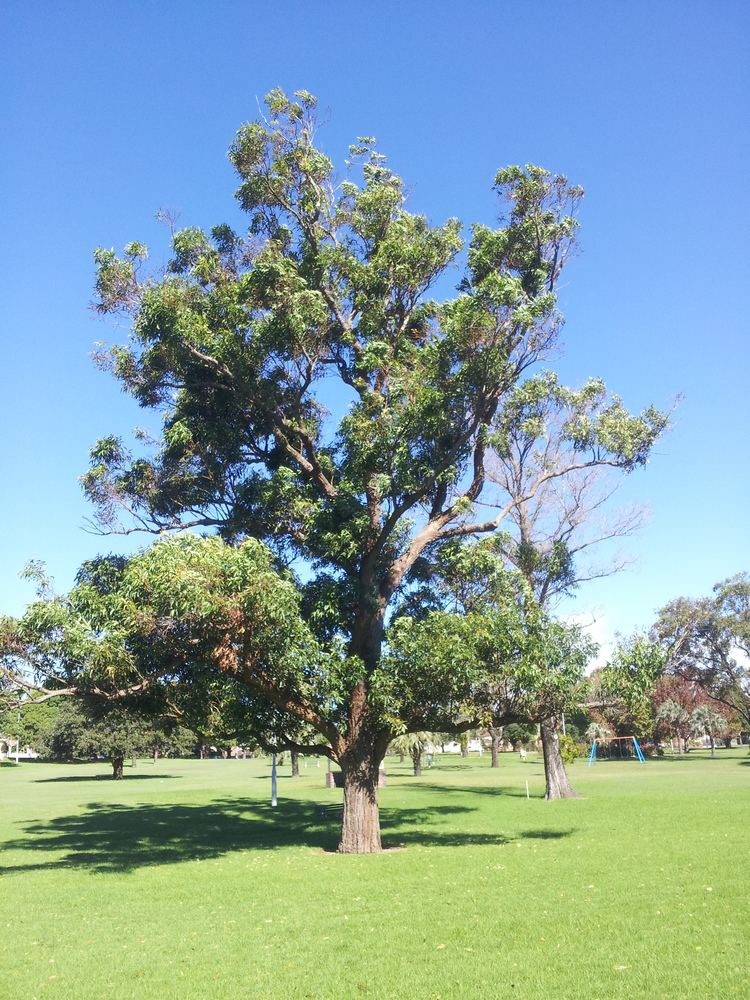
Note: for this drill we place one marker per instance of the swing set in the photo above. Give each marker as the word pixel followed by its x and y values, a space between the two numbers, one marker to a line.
pixel 616 748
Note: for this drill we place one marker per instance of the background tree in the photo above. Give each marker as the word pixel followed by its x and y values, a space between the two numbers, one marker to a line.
pixel 415 744
pixel 496 737
pixel 675 718
pixel 521 734
pixel 100 729
pixel 598 731
pixel 707 644
pixel 32 725
pixel 557 502
pixel 707 721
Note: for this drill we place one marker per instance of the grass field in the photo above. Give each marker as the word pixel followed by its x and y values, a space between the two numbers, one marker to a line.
pixel 182 882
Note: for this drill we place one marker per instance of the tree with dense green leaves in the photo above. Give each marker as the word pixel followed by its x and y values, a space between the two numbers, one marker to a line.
pixel 115 730
pixel 316 397
pixel 31 725
pixel 706 643
pixel 472 579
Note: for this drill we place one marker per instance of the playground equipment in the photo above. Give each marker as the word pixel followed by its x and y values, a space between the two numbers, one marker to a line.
pixel 616 748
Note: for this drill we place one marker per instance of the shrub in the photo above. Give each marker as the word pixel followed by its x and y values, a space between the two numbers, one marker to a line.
pixel 568 749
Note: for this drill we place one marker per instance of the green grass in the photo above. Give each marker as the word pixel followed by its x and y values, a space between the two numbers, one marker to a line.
pixel 182 882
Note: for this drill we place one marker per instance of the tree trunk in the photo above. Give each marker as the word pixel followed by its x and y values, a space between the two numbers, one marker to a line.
pixel 133 761
pixel 117 766
pixel 495 749
pixel 464 743
pixel 156 755
pixel 713 745
pixel 360 823
pixel 295 764
pixel 416 758
pixel 556 778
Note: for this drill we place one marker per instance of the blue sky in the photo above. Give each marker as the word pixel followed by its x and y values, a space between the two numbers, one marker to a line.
pixel 113 111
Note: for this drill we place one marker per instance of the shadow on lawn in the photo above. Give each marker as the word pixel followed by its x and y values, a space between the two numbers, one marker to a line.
pixel 106 777
pixel 496 790
pixel 119 838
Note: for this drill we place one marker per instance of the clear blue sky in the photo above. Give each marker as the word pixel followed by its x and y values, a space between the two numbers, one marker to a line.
pixel 112 111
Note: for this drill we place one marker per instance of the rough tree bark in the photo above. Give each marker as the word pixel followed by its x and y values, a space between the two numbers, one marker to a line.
pixel 360 823
pixel 496 735
pixel 364 746
pixel 416 758
pixel 117 767
pixel 295 764
pixel 556 777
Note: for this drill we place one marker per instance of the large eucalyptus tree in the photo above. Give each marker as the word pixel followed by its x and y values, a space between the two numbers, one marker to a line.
pixel 314 396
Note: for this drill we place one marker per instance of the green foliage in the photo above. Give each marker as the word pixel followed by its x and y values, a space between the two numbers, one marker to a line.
pixel 32 725
pixel 636 665
pixel 706 642
pixel 520 734
pixel 245 346
pixel 598 731
pixel 568 749
pixel 707 721
pixel 92 728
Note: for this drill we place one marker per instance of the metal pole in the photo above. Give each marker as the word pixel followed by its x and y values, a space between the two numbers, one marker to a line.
pixel 273 779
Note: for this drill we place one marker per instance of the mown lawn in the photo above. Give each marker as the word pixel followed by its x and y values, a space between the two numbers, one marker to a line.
pixel 181 882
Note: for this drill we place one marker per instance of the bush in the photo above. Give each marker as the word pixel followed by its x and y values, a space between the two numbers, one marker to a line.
pixel 520 734
pixel 568 749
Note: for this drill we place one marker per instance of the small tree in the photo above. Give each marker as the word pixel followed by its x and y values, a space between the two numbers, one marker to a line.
pixel 676 720
pixel 415 744
pixel 598 731
pixel 97 729
pixel 706 721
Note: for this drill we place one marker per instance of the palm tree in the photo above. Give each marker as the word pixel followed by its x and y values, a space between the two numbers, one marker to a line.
pixel 415 744
pixel 598 731
pixel 706 721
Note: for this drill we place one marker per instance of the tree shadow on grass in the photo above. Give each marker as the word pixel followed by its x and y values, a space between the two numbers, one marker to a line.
pixel 496 790
pixel 109 838
pixel 106 777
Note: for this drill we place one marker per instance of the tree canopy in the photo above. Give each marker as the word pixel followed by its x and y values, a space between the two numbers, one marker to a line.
pixel 706 642
pixel 321 410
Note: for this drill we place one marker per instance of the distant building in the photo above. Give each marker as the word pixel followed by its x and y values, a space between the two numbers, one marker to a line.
pixel 10 748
